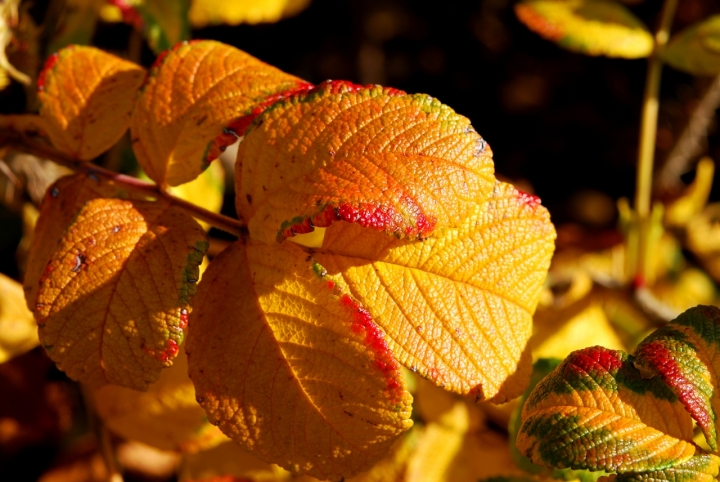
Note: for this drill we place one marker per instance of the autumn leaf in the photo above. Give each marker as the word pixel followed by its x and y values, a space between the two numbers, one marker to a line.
pixel 166 416
pixel 456 308
pixel 228 459
pixel 597 412
pixel 205 191
pixel 290 366
pixel 208 12
pixel 699 468
pixel 402 164
pixel 199 97
pixel 683 354
pixel 86 97
pixel 113 299
pixel 591 27
pixel 696 49
pixel 18 331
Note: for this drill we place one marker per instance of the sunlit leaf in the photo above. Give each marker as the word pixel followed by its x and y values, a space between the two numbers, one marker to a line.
pixel 18 330
pixel 690 287
pixel 204 12
pixel 166 416
pixel 196 93
pixel 597 412
pixel 696 50
pixel 402 164
pixel 205 191
pixel 86 98
pixel 683 353
pixel 591 27
pixel 456 308
pixel 290 366
pixel 700 468
pixel 114 297
pixel 59 206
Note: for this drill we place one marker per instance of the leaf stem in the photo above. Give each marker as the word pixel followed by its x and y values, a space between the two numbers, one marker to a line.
pixel 33 146
pixel 648 132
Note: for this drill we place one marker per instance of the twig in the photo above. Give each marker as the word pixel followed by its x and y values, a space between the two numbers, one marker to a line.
pixel 690 143
pixel 40 149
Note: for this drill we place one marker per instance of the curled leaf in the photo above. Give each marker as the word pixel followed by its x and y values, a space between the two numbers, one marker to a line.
pixel 597 412
pixel 696 49
pixel 456 308
pixel 86 97
pixel 398 163
pixel 683 354
pixel 292 368
pixel 591 27
pixel 113 299
pixel 18 331
pixel 196 93
pixel 166 416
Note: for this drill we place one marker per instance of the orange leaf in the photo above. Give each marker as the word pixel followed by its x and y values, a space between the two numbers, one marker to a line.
pixel 86 97
pixel 193 92
pixel 114 297
pixel 61 203
pixel 290 367
pixel 455 308
pixel 403 164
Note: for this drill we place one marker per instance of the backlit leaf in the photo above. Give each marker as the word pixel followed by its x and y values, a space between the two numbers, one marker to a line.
pixel 591 27
pixel 456 308
pixel 292 368
pixel 402 164
pixel 18 331
pixel 86 97
pixel 59 206
pixel 204 12
pixel 700 468
pixel 114 297
pixel 166 416
pixel 684 353
pixel 205 191
pixel 696 49
pixel 597 412
pixel 193 92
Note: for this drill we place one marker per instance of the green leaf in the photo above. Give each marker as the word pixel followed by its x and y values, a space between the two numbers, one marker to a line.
pixel 696 50
pixel 591 27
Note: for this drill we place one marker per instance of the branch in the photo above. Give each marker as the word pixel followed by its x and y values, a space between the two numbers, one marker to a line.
pixel 689 144
pixel 34 146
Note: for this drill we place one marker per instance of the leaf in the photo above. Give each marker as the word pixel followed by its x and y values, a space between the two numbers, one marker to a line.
pixel 163 22
pixel 393 467
pixel 86 97
pixel 193 92
pixel 228 459
pixel 291 368
pixel 18 331
pixel 209 12
pixel 114 298
pixel 205 191
pixel 76 24
pixel 59 207
pixel 166 416
pixel 591 27
pixel 699 468
pixel 456 308
pixel 683 354
pixel 597 412
pixel 696 49
pixel 402 164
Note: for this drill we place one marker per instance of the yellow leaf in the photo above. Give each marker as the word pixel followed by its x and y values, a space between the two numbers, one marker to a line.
pixel 18 330
pixel 392 468
pixel 61 203
pixel 403 164
pixel 484 454
pixel 86 97
pixel 229 459
pixel 703 239
pixel 193 92
pixel 291 367
pixel 557 332
pixel 696 50
pixel 591 27
pixel 166 416
pixel 456 308
pixel 693 200
pixel 690 288
pixel 204 12
pixel 205 191
pixel 113 299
